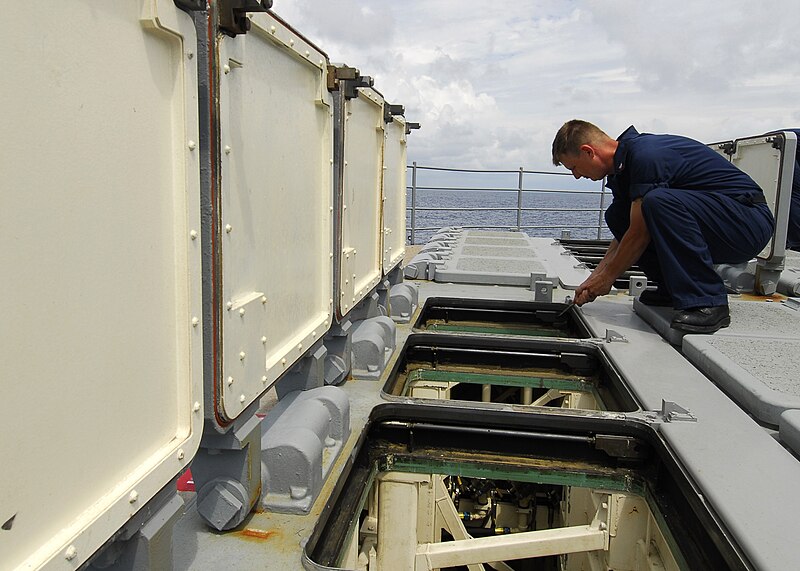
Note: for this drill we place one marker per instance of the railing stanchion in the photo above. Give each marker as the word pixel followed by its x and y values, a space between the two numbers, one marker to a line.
pixel 519 200
pixel 413 202
pixel 602 205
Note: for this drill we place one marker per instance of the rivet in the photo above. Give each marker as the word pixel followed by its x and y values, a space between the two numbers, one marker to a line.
pixel 300 347
pixel 264 379
pixel 604 505
pixel 308 53
pixel 193 234
pixel 71 553
pixel 291 41
pixel 226 68
pixel 190 55
pixel 330 255
pixel 313 333
pixel 227 149
pixel 264 339
pixel 263 299
pixel 192 145
pixel 195 322
pixel 229 305
pixel 242 356
pixel 283 361
pixel 331 161
pixel 242 398
pixel 196 407
pixel 345 207
pixel 241 311
pixel 272 29
pixel 330 301
pixel 134 495
pixel 228 228
pixel 320 63
pixel 345 163
pixel 181 455
pixel 230 381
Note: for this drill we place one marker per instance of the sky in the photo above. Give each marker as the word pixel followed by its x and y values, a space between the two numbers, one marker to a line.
pixel 491 82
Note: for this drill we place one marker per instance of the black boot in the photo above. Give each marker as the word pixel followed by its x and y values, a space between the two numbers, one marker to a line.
pixel 702 319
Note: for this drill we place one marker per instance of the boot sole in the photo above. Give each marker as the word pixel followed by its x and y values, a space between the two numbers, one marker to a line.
pixel 724 322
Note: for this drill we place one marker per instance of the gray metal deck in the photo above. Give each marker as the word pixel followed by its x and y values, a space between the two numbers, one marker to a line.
pixel 744 473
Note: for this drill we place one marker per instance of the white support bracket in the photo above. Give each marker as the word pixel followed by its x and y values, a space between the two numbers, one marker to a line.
pixel 525 545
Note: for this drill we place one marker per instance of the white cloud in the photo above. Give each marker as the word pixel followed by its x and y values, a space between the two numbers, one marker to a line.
pixel 492 83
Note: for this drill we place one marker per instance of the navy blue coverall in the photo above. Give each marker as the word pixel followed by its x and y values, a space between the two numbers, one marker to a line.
pixel 699 210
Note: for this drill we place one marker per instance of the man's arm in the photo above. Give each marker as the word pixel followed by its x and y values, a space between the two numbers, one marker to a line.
pixel 619 257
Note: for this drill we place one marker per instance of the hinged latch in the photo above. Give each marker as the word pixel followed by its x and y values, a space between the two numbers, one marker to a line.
pixel 347 80
pixel 390 111
pixel 614 337
pixel 233 14
pixel 673 412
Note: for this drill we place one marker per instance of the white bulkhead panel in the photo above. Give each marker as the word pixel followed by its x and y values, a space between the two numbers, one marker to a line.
pixel 361 198
pixel 100 342
pixel 394 194
pixel 764 162
pixel 276 235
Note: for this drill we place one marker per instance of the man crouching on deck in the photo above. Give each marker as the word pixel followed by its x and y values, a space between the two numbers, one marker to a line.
pixel 678 208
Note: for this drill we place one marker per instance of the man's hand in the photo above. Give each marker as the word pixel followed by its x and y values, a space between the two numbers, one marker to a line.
pixel 597 284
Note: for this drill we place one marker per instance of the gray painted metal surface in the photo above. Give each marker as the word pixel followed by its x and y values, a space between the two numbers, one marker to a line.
pixel 747 477
pixel 301 439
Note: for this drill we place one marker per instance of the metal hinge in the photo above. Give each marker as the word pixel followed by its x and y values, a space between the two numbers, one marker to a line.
pixel 347 80
pixel 410 126
pixel 390 111
pixel 673 412
pixel 728 148
pixel 614 337
pixel 233 14
pixel 777 142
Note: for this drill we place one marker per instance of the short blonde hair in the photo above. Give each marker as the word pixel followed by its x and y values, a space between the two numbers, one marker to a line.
pixel 572 135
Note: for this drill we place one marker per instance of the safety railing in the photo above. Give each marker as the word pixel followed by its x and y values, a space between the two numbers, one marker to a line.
pixel 538 202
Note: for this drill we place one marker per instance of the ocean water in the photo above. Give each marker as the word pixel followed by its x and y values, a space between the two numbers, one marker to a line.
pixel 561 203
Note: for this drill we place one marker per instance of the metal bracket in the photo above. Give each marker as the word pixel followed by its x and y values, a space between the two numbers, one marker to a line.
pixel 673 412
pixel 348 80
pixel 614 337
pixel 233 14
pixel 543 291
pixel 411 126
pixel 390 111
pixel 637 285
pixel 728 148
